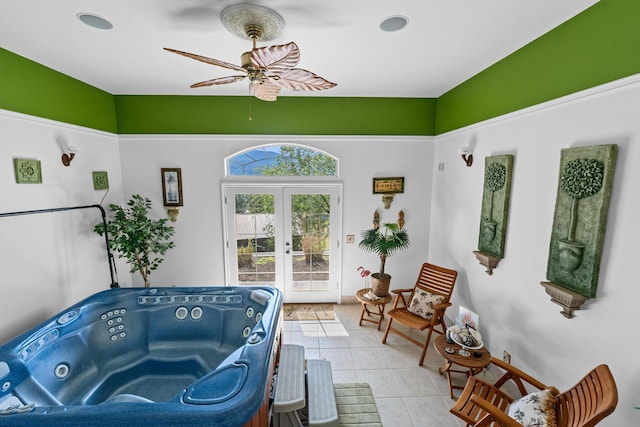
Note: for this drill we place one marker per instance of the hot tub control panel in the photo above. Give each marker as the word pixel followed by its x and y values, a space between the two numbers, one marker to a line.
pixel 196 298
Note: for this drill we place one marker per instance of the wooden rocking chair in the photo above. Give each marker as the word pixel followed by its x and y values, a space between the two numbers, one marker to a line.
pixel 433 282
pixel 584 405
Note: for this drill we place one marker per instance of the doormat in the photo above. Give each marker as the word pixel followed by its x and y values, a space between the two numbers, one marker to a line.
pixel 356 405
pixel 308 312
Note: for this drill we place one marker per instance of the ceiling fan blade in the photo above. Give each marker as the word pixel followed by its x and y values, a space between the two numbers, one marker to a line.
pixel 207 60
pixel 277 59
pixel 266 91
pixel 219 81
pixel 299 79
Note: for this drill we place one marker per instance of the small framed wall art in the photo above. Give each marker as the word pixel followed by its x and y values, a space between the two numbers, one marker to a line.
pixel 172 186
pixel 388 185
pixel 28 171
pixel 100 180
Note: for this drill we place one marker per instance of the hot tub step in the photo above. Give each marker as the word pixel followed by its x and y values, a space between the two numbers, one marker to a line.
pixel 322 399
pixel 290 393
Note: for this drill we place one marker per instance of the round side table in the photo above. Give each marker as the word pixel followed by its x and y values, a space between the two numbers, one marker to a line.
pixel 472 363
pixel 378 304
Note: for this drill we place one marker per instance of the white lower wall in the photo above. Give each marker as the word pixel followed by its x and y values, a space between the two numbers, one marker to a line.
pixel 515 312
pixel 198 258
pixel 51 260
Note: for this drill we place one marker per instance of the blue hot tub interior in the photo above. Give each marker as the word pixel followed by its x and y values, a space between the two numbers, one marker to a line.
pixel 165 355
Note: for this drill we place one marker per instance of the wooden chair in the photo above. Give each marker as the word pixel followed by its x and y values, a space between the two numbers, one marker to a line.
pixel 432 279
pixel 584 405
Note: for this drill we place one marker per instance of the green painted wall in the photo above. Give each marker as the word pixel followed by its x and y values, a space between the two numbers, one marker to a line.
pixel 144 114
pixel 30 88
pixel 599 45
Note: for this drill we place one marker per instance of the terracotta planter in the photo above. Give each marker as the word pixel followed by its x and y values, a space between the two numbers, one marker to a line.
pixel 380 284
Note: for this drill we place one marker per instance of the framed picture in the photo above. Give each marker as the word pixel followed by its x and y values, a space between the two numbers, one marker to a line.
pixel 28 171
pixel 388 185
pixel 467 317
pixel 100 180
pixel 171 186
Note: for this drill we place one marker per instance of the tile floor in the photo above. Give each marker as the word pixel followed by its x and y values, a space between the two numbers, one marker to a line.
pixel 406 394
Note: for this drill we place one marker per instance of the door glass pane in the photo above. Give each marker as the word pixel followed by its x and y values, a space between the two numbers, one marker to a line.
pixel 310 234
pixel 255 238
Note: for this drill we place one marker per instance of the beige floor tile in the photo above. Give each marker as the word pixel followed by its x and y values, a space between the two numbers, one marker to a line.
pixel 415 382
pixel 406 394
pixel 381 381
pixel 345 376
pixel 430 412
pixel 393 412
pixel 333 342
pixel 369 358
pixel 340 358
pixel 300 338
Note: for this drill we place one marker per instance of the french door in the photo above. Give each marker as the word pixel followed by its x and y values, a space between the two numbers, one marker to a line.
pixel 286 236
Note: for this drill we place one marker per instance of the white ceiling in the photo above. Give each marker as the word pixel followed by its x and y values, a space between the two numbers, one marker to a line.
pixel 445 43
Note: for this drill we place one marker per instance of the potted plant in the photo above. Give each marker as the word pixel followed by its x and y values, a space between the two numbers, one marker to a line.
pixel 580 178
pixel 136 237
pixel 383 243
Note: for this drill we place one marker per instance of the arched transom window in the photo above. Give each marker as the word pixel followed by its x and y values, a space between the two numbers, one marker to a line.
pixel 281 160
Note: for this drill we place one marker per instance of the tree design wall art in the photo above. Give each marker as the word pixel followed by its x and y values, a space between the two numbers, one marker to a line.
pixel 579 222
pixel 495 210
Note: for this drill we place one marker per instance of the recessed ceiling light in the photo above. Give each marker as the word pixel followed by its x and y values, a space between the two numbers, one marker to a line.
pixel 394 23
pixel 94 21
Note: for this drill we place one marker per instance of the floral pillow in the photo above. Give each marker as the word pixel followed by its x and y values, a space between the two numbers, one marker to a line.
pixel 422 303
pixel 535 409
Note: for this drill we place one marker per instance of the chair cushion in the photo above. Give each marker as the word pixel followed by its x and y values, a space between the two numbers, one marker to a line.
pixel 422 303
pixel 535 409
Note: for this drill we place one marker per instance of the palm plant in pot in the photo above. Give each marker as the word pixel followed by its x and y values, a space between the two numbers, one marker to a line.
pixel 384 243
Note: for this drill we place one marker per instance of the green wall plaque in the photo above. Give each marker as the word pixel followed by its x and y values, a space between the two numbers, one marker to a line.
pixel 579 222
pixel 495 204
pixel 28 171
pixel 100 180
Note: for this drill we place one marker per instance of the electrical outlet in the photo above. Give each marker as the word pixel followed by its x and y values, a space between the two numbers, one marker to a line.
pixel 506 357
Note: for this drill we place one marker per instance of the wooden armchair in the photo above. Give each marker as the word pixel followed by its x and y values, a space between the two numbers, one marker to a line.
pixel 433 281
pixel 584 405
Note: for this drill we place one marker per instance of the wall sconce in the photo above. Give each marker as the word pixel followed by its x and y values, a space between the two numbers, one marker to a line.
pixel 68 154
pixel 467 155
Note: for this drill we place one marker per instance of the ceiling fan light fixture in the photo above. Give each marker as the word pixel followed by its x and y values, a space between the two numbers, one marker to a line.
pixel 242 20
pixel 394 23
pixel 94 21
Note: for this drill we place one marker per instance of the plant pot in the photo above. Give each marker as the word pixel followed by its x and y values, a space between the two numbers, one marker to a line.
pixel 489 227
pixel 380 284
pixel 570 255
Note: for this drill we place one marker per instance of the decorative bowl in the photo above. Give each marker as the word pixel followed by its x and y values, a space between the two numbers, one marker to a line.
pixel 465 337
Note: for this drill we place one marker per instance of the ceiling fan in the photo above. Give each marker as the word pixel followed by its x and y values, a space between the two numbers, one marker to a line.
pixel 268 69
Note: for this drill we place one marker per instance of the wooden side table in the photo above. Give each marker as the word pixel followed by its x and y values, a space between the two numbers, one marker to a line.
pixel 378 304
pixel 472 363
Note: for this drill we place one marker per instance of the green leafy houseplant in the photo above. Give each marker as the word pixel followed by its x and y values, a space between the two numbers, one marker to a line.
pixel 136 237
pixel 384 243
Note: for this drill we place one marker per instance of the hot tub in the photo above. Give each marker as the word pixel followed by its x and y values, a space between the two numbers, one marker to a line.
pixel 147 357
